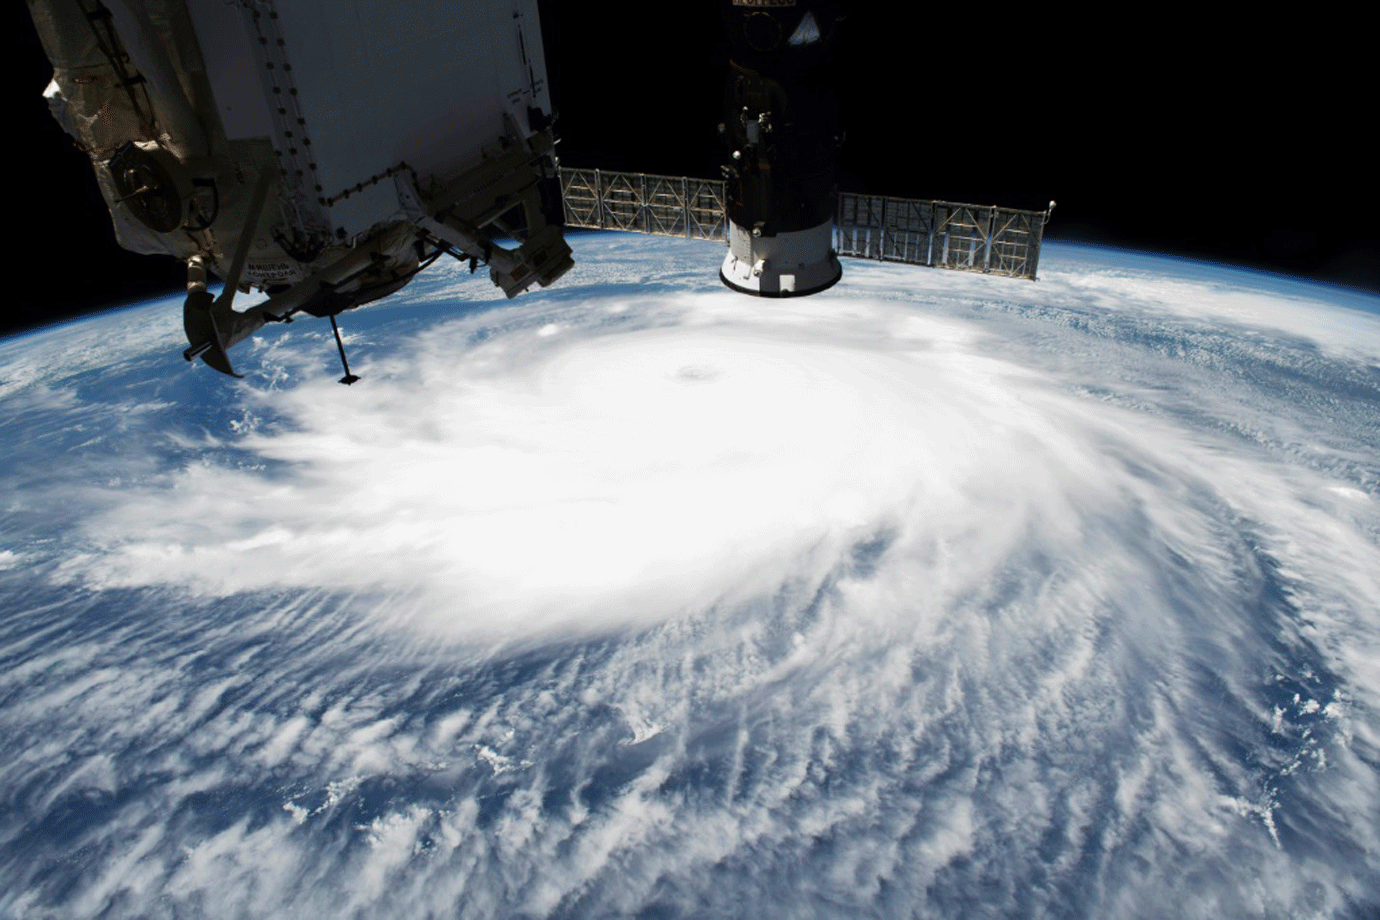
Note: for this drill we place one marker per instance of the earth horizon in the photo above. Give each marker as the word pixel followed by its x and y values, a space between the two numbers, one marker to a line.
pixel 935 594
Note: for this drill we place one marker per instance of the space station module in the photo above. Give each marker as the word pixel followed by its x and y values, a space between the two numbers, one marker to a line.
pixel 321 151
pixel 782 127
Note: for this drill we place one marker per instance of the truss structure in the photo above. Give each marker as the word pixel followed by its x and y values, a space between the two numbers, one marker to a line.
pixel 938 234
pixel 664 205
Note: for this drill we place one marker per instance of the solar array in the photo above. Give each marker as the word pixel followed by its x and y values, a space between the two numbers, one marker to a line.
pixel 938 234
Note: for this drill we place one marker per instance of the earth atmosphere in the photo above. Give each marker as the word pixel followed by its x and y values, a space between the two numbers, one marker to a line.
pixel 934 595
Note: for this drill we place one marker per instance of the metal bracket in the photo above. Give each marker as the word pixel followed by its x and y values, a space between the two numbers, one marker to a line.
pixel 458 213
pixel 211 326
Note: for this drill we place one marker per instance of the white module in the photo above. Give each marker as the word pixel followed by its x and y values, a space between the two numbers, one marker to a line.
pixel 321 150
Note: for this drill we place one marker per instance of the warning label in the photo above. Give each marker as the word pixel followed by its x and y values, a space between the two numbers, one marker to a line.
pixel 272 271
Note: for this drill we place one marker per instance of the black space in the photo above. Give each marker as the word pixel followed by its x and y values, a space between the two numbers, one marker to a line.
pixel 1240 143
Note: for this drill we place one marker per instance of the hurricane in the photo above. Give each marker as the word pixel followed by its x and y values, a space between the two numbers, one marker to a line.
pixel 936 594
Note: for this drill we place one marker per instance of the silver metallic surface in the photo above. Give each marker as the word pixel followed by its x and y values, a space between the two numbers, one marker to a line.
pixel 940 234
pixel 792 263
pixel 319 150
pixel 665 205
pixel 936 234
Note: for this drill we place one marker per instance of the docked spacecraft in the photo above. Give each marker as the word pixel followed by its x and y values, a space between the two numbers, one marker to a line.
pixel 297 147
pixel 781 125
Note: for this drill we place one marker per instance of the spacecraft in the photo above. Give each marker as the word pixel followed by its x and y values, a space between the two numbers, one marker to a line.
pixel 296 148
pixel 781 123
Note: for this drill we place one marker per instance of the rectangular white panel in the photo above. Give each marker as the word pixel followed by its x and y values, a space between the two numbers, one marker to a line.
pixel 232 67
pixel 377 83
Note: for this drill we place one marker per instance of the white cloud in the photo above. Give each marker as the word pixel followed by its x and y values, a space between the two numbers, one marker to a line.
pixel 598 478
pixel 957 608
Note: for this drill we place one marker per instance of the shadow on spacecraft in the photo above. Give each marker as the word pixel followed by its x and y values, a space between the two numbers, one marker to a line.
pixel 286 147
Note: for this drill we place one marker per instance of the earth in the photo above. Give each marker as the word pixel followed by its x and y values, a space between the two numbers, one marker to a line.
pixel 934 595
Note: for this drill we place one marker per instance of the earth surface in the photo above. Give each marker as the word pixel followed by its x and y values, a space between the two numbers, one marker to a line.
pixel 934 595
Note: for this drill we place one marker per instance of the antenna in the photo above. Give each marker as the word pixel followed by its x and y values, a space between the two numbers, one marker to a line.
pixel 349 378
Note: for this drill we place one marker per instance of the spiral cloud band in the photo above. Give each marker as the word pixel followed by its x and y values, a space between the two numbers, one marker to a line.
pixel 932 595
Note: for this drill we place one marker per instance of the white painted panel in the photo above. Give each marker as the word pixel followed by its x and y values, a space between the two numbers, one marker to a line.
pixel 381 82
pixel 231 67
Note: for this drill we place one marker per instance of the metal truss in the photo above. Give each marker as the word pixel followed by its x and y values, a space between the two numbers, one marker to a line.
pixel 664 205
pixel 938 234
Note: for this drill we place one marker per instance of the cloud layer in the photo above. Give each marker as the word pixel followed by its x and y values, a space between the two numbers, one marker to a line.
pixel 932 595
